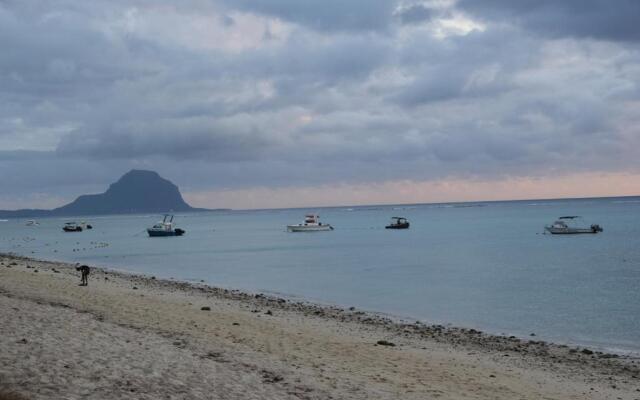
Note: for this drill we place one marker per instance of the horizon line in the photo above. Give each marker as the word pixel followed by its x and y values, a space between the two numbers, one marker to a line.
pixel 427 203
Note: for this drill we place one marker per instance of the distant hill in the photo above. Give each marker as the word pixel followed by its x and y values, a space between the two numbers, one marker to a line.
pixel 137 191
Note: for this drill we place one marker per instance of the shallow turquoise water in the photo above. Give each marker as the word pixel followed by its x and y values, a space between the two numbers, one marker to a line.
pixel 482 265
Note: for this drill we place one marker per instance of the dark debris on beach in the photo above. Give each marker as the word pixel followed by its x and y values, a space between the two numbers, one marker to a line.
pixel 473 339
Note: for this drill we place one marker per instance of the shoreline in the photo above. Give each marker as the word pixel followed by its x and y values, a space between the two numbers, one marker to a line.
pixel 375 332
pixel 393 318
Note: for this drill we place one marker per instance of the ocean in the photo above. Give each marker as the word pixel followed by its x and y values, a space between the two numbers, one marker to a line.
pixel 484 265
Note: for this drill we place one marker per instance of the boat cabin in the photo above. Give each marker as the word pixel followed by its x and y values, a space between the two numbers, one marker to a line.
pixel 161 226
pixel 72 227
pixel 311 219
pixel 398 223
pixel 165 225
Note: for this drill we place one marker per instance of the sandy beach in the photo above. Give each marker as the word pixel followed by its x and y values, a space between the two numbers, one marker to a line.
pixel 136 337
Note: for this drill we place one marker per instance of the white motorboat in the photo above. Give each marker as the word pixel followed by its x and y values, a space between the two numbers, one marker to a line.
pixel 565 226
pixel 311 224
pixel 165 228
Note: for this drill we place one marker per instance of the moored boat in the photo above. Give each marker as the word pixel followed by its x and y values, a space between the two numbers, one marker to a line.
pixel 32 222
pixel 71 227
pixel 311 224
pixel 165 228
pixel 565 226
pixel 398 223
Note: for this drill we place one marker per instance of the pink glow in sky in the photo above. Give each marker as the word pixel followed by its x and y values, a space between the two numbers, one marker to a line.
pixel 408 192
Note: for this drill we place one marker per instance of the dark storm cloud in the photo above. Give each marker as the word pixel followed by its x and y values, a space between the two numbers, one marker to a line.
pixel 415 14
pixel 178 139
pixel 58 55
pixel 598 19
pixel 28 172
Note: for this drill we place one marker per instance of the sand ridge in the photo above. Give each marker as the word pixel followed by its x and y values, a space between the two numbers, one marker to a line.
pixel 129 336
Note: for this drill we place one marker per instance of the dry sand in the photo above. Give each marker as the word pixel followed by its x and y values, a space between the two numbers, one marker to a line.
pixel 133 337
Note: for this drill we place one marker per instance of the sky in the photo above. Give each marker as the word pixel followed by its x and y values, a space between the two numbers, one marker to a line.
pixel 294 103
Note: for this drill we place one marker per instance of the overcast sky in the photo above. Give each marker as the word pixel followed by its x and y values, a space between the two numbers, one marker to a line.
pixel 257 103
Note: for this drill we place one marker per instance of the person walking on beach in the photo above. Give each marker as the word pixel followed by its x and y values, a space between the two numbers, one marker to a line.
pixel 84 270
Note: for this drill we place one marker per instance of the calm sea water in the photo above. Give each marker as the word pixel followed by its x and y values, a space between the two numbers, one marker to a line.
pixel 483 265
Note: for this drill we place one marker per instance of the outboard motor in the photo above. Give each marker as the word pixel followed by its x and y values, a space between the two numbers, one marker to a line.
pixel 596 228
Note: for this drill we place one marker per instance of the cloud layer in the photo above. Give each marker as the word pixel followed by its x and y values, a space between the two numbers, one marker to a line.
pixel 234 95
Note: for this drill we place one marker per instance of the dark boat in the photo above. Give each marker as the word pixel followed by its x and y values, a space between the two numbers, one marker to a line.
pixel 165 228
pixel 72 227
pixel 398 223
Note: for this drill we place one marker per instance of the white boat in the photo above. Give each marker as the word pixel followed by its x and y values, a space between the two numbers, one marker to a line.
pixel 165 228
pixel 565 226
pixel 311 224
pixel 32 223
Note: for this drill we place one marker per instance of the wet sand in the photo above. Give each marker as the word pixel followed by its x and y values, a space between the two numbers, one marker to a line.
pixel 135 337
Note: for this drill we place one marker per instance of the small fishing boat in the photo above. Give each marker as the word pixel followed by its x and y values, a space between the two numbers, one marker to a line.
pixel 398 223
pixel 311 224
pixel 565 226
pixel 72 227
pixel 32 223
pixel 165 228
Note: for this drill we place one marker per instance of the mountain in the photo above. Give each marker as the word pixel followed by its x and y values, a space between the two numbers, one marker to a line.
pixel 137 191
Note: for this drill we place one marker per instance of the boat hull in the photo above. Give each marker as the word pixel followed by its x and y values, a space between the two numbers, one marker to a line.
pixel 76 229
pixel 397 226
pixel 309 228
pixel 175 232
pixel 570 231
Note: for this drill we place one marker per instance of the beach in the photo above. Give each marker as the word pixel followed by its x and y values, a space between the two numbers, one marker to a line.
pixel 128 336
